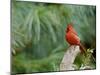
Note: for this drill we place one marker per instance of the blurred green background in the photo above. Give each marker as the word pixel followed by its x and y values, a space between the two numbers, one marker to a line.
pixel 38 35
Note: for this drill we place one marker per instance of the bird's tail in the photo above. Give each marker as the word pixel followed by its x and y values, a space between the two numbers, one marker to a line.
pixel 82 48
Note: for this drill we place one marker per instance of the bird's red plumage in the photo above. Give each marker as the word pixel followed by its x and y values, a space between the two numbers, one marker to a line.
pixel 72 37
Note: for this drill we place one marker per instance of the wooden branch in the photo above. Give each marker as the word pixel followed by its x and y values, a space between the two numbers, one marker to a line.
pixel 69 57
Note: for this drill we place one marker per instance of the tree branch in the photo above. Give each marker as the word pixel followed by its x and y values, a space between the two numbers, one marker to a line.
pixel 69 57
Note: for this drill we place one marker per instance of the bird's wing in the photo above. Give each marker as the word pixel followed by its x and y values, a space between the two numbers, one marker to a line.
pixel 73 39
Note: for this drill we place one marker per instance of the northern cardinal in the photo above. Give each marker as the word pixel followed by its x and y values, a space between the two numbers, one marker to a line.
pixel 72 37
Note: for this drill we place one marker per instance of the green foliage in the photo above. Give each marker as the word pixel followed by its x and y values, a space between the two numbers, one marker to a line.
pixel 38 34
pixel 84 60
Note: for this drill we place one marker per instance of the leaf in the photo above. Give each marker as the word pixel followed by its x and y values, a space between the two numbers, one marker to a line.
pixel 36 27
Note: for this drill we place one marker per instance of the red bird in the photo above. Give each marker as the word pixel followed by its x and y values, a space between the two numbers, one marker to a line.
pixel 72 37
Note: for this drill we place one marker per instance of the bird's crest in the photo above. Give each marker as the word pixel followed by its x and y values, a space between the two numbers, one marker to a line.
pixel 69 26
